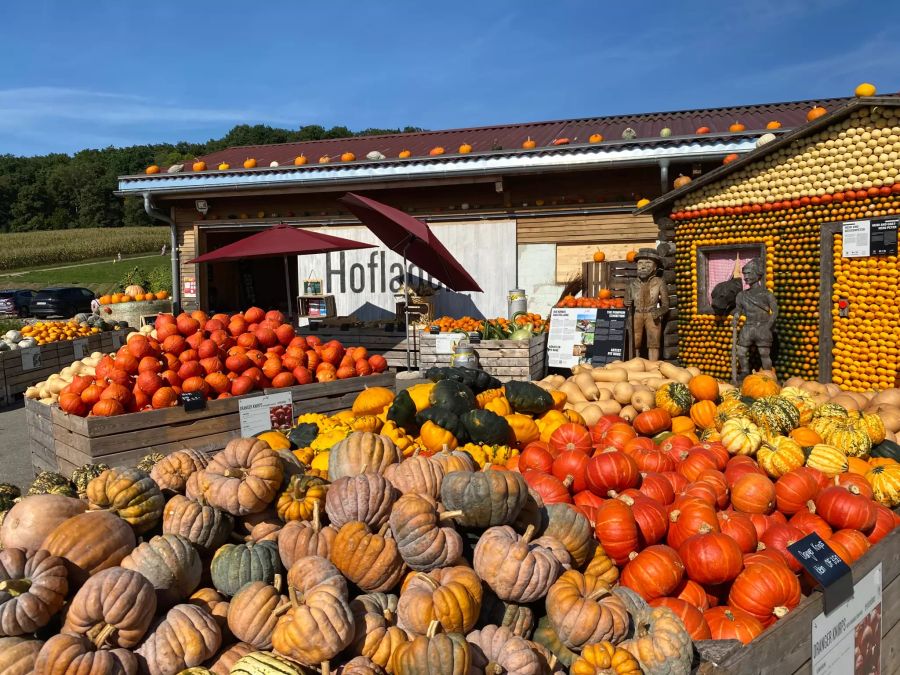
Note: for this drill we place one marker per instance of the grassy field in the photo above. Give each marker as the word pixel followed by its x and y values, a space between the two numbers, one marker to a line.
pixel 101 277
pixel 20 250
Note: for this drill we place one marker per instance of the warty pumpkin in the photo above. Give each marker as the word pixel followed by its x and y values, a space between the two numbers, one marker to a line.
pixel 514 568
pixel 113 608
pixel 130 494
pixel 376 635
pixel 254 611
pixel 451 596
pixel 422 540
pixel 300 538
pixel 370 560
pixel 583 610
pixel 204 526
pixel 486 498
pixel 18 655
pixel 90 542
pixel 170 562
pixel 243 478
pixel 433 654
pixel 497 649
pixel 29 521
pixel 172 471
pixel 33 588
pixel 318 627
pixel 184 638
pixel 68 654
pixel 361 452
pixel 417 475
pixel 234 565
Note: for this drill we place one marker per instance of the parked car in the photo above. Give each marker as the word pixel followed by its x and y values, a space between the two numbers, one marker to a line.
pixel 16 301
pixel 62 302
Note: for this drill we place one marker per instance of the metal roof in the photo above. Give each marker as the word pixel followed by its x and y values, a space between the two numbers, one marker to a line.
pixel 494 148
pixel 492 163
pixel 755 154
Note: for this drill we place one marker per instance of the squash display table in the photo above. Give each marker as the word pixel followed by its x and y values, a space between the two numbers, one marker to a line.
pixel 132 312
pixel 62 442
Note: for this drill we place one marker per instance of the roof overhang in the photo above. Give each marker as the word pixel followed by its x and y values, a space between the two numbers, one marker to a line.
pixel 321 176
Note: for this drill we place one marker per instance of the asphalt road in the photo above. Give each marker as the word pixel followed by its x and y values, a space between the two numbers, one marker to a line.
pixel 15 457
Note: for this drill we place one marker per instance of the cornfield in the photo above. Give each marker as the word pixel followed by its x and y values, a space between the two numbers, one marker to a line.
pixel 53 247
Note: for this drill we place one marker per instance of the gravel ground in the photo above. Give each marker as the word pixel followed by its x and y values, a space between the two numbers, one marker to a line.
pixel 15 457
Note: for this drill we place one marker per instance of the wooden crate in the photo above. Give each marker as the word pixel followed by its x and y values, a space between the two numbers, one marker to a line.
pixel 504 359
pixel 389 344
pixel 612 275
pixel 18 379
pixel 38 420
pixel 785 648
pixel 122 440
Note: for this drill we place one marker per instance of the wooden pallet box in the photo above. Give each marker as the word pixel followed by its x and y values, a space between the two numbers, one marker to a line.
pixel 389 344
pixel 124 439
pixel 504 359
pixel 786 647
pixel 20 372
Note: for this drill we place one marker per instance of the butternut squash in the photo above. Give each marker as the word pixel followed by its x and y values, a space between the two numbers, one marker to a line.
pixel 554 380
pixel 694 371
pixel 643 375
pixel 606 394
pixel 635 364
pixel 673 372
pixel 628 412
pixel 643 400
pixel 610 374
pixel 572 392
pixel 622 392
pixel 586 383
pixel 609 407
pixel 591 414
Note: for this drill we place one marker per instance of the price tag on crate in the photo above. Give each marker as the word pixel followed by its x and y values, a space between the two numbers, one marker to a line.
pixel 80 349
pixel 31 358
pixel 826 567
pixel 192 400
pixel 118 338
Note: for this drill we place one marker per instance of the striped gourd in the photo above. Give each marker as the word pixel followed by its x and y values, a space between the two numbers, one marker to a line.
pixel 852 437
pixel 829 410
pixel 874 427
pixel 827 459
pixel 775 415
pixel 675 398
pixel 779 455
pixel 730 408
pixel 803 401
pixel 885 482
pixel 266 663
pixel 740 436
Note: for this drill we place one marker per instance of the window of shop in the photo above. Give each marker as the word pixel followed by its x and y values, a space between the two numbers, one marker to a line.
pixel 716 264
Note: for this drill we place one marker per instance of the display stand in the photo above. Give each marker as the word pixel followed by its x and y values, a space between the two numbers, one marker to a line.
pixel 316 306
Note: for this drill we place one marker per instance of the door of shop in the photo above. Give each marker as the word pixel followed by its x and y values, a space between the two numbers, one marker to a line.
pixel 859 307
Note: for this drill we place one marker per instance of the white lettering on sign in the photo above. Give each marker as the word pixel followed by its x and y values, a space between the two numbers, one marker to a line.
pixel 856 239
pixel 364 282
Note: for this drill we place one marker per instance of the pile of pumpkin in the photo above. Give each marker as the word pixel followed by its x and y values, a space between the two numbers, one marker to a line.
pixel 604 300
pixel 218 356
pixel 133 293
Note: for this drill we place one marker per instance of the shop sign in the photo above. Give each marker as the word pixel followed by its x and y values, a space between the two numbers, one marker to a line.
pixel 266 412
pixel 368 283
pixel 609 336
pixel 864 238
pixel 571 336
pixel 848 639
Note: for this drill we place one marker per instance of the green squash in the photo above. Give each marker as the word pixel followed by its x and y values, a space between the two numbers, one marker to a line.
pixel 546 636
pixel 486 427
pixel 445 419
pixel 302 435
pixel 886 449
pixel 775 415
pixel 85 474
pixel 234 565
pixel 452 395
pixel 486 498
pixel 475 379
pixel 526 397
pixel 403 412
pixel 675 398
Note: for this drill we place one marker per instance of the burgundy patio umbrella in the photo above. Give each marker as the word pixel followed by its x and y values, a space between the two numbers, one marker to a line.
pixel 415 241
pixel 280 240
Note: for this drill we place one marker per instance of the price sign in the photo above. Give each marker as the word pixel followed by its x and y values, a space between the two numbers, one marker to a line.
pixel 826 567
pixel 609 336
pixel 118 338
pixel 192 400
pixel 31 358
pixel 266 412
pixel 445 342
pixel 80 348
pixel 883 237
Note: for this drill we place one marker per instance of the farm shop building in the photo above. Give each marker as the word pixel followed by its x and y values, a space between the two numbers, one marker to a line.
pixel 520 205
pixel 820 206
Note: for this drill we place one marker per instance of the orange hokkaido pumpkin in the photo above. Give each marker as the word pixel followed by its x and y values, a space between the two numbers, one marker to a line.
pixel 703 413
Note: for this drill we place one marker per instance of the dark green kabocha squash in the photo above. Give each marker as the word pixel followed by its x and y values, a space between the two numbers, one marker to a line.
pixel 486 427
pixel 453 396
pixel 886 449
pixel 475 379
pixel 445 419
pixel 302 435
pixel 403 412
pixel 526 397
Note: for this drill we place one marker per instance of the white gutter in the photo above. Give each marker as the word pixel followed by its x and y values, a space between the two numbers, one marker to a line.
pixel 456 166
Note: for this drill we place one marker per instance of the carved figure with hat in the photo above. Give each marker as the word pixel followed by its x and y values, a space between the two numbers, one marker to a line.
pixel 648 299
pixel 760 309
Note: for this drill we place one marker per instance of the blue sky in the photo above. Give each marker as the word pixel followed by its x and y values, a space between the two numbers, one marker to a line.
pixel 104 72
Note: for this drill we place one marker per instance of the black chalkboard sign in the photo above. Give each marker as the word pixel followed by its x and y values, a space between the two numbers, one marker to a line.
pixel 609 336
pixel 826 567
pixel 883 237
pixel 192 400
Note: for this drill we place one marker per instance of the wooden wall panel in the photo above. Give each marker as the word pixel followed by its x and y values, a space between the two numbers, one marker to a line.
pixel 600 228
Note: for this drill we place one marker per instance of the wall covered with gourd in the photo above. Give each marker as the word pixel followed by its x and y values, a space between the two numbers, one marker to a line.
pixel 847 171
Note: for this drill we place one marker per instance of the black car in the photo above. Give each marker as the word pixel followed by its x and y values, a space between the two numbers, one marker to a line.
pixel 61 302
pixel 16 301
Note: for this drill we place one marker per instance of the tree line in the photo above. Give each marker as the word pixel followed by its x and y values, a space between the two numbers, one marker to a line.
pixel 60 191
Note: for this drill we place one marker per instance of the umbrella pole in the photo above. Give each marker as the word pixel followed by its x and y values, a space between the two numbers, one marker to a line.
pixel 287 285
pixel 406 307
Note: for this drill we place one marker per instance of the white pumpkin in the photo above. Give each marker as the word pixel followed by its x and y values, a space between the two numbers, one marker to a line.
pixel 765 138
pixel 12 336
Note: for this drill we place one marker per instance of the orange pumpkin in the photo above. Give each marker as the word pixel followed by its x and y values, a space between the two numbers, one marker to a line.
pixel 681 181
pixel 324 159
pixel 858 466
pixel 737 127
pixel 404 154
pixel 249 163
pixel 703 413
pixel 774 124
pixel 347 157
pixel 806 437
pixel 300 160
pixel 595 138
pixel 759 385
pixel 630 256
pixel 465 149
pixel 599 256
pixel 529 143
pixel 683 425
pixel 815 113
pixel 702 130
pixel 730 158
pixel 150 170
pixel 704 388
pixel 438 150
pixel 199 165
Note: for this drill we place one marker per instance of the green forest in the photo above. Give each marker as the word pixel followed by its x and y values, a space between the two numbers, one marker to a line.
pixel 59 191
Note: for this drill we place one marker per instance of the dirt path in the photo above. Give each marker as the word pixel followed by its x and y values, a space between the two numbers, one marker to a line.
pixel 65 267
